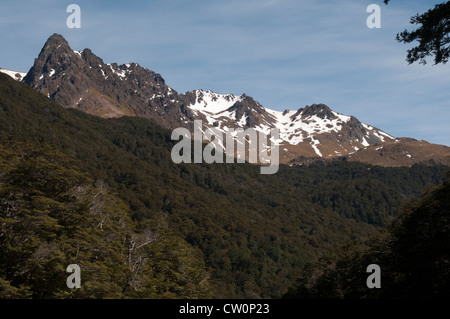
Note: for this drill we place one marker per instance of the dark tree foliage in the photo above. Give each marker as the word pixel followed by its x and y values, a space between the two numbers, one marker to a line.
pixel 362 192
pixel 432 35
pixel 52 215
pixel 413 254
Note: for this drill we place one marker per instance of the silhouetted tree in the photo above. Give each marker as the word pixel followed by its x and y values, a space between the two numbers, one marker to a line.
pixel 433 35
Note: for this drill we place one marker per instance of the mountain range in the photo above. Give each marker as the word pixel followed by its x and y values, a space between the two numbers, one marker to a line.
pixel 89 188
pixel 82 80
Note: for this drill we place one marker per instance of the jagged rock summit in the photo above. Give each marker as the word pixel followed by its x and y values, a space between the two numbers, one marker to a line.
pixel 82 80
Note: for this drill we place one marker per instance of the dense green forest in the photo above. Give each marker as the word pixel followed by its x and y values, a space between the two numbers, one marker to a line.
pixel 53 215
pixel 413 254
pixel 362 192
pixel 219 230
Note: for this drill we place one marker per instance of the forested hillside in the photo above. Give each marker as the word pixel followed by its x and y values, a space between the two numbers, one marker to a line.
pixel 224 230
pixel 52 215
pixel 413 255
pixel 362 192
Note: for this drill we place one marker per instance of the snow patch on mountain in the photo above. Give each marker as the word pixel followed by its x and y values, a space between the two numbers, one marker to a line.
pixel 78 53
pixel 14 74
pixel 295 127
pixel 380 134
pixel 213 103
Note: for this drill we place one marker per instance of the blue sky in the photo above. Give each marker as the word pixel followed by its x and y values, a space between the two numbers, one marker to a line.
pixel 284 53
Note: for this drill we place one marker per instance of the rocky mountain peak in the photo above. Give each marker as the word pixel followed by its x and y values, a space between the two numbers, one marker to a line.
pixel 91 59
pixel 58 48
pixel 55 41
pixel 82 80
pixel 320 110
pixel 56 56
pixel 248 111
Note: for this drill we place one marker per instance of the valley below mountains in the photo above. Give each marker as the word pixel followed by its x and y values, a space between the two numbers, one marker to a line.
pixel 86 178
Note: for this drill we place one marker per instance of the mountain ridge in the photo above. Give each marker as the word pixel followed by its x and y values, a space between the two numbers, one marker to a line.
pixel 81 80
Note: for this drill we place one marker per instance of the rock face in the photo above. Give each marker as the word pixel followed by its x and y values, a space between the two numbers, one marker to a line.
pixel 81 80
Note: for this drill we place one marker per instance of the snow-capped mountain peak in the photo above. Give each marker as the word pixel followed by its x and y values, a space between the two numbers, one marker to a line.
pixel 315 129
